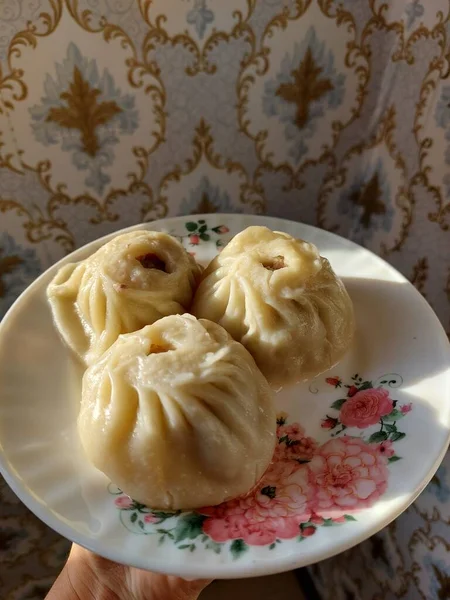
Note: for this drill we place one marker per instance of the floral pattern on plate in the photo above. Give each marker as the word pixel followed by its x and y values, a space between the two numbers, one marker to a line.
pixel 308 485
pixel 366 404
pixel 197 232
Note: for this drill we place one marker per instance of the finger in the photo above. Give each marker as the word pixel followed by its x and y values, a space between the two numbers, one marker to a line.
pixel 163 587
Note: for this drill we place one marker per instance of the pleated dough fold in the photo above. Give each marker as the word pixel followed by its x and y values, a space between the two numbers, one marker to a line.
pixel 280 299
pixel 131 281
pixel 178 415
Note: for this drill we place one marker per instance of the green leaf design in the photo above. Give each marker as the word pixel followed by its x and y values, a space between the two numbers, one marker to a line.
pixel 214 546
pixel 328 523
pixel 141 524
pixel 237 548
pixel 162 515
pixel 395 415
pixel 190 547
pixel 201 221
pixel 202 229
pixel 349 518
pixel 133 517
pixel 379 436
pixel 338 403
pixel 189 527
pixel 220 243
pixel 390 428
pixel 272 546
pixel 191 226
pixel 367 385
pixel 205 237
pixel 394 458
pixel 397 436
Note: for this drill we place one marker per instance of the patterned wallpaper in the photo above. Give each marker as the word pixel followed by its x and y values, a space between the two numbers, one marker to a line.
pixel 333 113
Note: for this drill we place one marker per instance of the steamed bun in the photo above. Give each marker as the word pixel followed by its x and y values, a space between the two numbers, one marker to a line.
pixel 280 299
pixel 178 415
pixel 131 281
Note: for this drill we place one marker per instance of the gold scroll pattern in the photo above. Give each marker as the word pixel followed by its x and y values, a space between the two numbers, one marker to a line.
pixel 302 92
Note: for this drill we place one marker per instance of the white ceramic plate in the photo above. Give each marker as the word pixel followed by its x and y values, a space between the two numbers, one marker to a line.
pixel 329 489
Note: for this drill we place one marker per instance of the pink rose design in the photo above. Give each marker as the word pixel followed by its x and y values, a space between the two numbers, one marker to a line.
pixel 317 519
pixel 294 431
pixel 346 473
pixel 234 507
pixel 289 500
pixel 123 502
pixel 295 445
pixel 278 456
pixel 366 408
pixel 194 239
pixel 386 449
pixel 255 533
pixel 352 390
pixel 273 510
pixel 280 468
pixel 266 532
pixel 301 450
pixel 223 229
pixel 406 408
pixel 340 519
pixel 308 531
pixel 335 381
pixel 231 527
pixel 150 518
pixel 329 423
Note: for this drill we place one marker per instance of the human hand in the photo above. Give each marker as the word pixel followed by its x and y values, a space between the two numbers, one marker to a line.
pixel 87 576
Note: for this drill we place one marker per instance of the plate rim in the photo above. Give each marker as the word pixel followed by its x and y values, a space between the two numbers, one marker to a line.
pixel 226 570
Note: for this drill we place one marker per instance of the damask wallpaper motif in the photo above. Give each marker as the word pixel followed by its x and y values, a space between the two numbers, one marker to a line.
pixel 333 113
